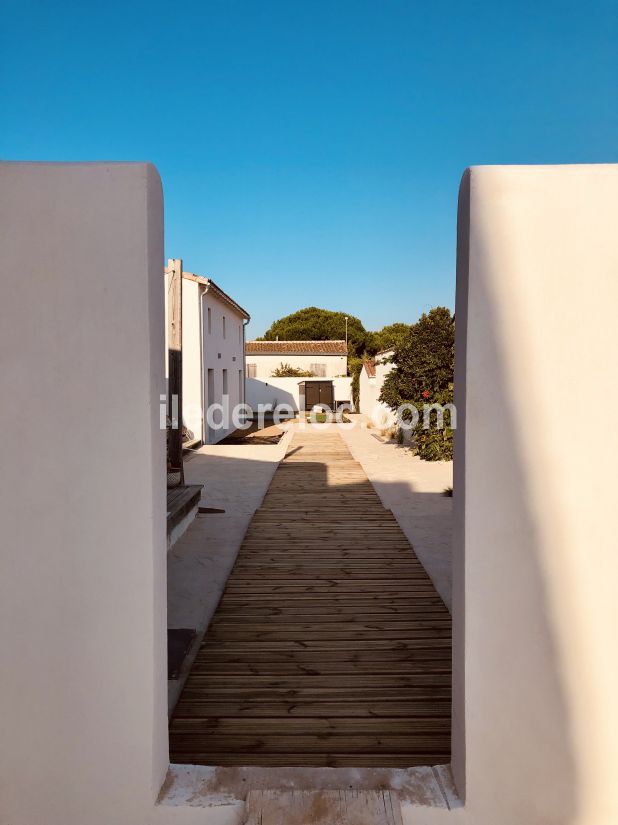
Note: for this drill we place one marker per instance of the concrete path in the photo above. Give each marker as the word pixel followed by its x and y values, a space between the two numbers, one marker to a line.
pixel 413 490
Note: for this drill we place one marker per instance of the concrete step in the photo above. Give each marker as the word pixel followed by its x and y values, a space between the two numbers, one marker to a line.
pixel 344 807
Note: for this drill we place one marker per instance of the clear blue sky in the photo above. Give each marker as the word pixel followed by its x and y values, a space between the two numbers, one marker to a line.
pixel 311 151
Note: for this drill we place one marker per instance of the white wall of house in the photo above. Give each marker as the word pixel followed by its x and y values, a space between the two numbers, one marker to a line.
pixel 370 388
pixel 286 391
pixel 223 346
pixel 213 358
pixel 334 365
pixel 192 392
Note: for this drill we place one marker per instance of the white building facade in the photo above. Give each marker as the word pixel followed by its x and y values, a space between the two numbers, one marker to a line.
pixel 213 370
pixel 370 385
pixel 324 359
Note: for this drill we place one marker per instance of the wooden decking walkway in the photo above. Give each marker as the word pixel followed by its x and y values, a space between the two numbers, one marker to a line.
pixel 330 646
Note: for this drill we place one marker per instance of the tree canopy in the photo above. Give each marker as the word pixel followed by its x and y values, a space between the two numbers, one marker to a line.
pixel 315 324
pixel 389 337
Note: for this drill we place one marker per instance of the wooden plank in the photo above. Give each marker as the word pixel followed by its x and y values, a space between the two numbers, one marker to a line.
pixel 328 709
pixel 197 740
pixel 382 759
pixel 311 726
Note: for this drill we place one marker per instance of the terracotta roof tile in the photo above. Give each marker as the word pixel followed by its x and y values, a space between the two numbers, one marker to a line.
pixel 296 348
pixel 370 368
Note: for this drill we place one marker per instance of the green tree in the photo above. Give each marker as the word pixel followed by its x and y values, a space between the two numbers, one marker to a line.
pixel 423 375
pixel 390 337
pixel 315 324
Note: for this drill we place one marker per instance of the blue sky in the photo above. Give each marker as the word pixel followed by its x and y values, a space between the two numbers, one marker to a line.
pixel 311 151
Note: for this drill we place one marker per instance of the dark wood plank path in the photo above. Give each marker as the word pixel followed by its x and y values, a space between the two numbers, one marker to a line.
pixel 330 646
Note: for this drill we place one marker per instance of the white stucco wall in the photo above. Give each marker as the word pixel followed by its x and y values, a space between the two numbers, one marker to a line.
pixel 286 391
pixel 192 391
pixel 223 353
pixel 536 563
pixel 384 364
pixel 206 347
pixel 336 365
pixel 82 586
pixel 370 388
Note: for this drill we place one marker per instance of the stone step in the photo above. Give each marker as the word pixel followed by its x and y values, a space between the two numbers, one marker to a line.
pixel 344 807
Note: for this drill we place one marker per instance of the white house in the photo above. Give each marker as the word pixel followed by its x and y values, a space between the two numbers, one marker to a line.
pixel 213 341
pixel 371 381
pixel 325 359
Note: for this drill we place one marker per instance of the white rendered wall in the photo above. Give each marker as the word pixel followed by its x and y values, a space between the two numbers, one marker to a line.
pixel 383 366
pixel 83 733
pixel 286 391
pixel 369 390
pixel 192 398
pixel 222 353
pixel 336 365
pixel 536 555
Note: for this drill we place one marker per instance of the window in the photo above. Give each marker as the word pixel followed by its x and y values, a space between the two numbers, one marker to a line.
pixel 240 333
pixel 225 388
pixel 209 320
pixel 318 369
pixel 251 370
pixel 240 387
pixel 224 326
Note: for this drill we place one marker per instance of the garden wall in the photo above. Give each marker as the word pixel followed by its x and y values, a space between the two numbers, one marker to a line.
pixel 286 391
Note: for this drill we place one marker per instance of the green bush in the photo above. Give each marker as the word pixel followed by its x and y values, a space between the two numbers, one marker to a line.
pixel 423 375
pixel 288 371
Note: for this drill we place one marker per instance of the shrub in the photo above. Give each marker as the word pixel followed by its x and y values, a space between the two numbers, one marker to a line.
pixel 288 371
pixel 423 375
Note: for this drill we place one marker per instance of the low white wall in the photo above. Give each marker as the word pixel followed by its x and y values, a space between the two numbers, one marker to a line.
pixel 535 554
pixel 286 391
